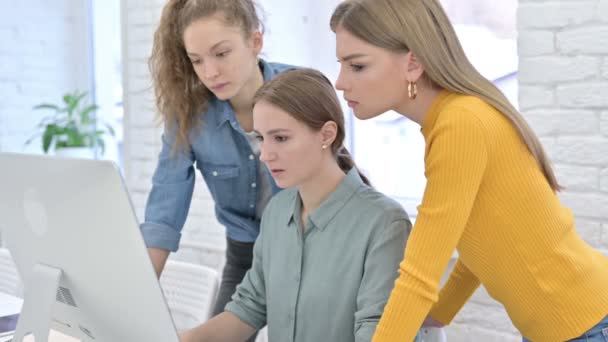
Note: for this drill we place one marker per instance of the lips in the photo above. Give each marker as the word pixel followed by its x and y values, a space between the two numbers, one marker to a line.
pixel 276 172
pixel 351 103
pixel 218 87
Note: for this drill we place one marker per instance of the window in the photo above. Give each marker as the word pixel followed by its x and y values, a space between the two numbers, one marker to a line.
pixel 107 72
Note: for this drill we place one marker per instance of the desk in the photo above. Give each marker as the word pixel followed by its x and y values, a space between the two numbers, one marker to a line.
pixel 10 305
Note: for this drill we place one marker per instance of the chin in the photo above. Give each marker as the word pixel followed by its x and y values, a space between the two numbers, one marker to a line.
pixel 365 115
pixel 224 96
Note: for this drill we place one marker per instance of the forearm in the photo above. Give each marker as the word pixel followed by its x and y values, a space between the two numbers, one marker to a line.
pixel 225 327
pixel 159 258
pixel 455 293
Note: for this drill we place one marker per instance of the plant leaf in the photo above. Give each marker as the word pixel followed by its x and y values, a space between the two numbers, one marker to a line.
pixel 48 136
pixel 85 118
pixel 110 129
pixel 48 106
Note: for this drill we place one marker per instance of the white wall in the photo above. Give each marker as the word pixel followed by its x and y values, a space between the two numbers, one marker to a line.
pixel 563 47
pixel 43 54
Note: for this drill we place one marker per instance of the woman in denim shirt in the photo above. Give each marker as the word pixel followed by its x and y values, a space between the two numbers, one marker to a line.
pixel 323 265
pixel 206 70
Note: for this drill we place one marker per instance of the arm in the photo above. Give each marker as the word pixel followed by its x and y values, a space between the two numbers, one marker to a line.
pixel 249 301
pixel 245 314
pixel 225 327
pixel 457 290
pixel 455 164
pixel 169 201
pixel 159 258
pixel 378 277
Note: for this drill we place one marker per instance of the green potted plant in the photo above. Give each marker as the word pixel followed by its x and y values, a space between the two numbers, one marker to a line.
pixel 73 129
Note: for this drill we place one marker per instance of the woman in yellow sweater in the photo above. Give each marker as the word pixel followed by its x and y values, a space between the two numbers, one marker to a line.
pixel 490 194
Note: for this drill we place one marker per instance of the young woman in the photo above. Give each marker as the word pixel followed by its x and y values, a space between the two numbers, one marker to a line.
pixel 326 258
pixel 490 194
pixel 206 70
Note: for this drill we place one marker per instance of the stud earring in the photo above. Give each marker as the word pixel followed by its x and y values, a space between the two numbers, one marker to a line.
pixel 324 146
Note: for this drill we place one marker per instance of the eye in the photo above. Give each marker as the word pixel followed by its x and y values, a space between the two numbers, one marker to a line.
pixel 280 138
pixel 259 138
pixel 357 67
pixel 222 54
pixel 195 62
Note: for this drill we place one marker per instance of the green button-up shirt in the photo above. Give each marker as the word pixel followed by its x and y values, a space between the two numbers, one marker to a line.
pixel 329 284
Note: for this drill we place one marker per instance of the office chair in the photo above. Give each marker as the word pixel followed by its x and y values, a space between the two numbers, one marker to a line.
pixel 190 291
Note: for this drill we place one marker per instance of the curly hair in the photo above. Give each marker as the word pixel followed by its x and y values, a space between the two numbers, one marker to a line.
pixel 180 95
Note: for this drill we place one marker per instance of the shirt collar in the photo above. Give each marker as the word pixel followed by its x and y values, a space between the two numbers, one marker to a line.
pixel 331 206
pixel 224 109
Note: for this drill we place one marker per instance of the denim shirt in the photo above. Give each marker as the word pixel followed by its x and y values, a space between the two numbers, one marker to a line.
pixel 221 152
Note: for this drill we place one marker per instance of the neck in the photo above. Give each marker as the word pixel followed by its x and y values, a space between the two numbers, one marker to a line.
pixel 242 103
pixel 320 186
pixel 416 109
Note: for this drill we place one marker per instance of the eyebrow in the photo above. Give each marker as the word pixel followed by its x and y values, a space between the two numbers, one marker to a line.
pixel 273 131
pixel 213 47
pixel 353 56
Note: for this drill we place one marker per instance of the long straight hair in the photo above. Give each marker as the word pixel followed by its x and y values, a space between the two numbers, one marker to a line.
pixel 423 27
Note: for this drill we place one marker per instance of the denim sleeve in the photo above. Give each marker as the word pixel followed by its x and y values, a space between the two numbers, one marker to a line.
pixel 169 200
pixel 380 271
pixel 249 301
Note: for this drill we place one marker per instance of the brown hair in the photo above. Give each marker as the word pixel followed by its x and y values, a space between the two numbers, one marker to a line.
pixel 423 27
pixel 180 95
pixel 309 97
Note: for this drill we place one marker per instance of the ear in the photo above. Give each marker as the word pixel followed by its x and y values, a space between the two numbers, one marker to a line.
pixel 328 133
pixel 414 69
pixel 257 42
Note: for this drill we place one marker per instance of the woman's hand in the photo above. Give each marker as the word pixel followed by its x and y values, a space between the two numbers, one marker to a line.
pixel 429 322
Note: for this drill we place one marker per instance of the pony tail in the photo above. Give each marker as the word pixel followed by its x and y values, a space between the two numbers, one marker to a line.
pixel 346 163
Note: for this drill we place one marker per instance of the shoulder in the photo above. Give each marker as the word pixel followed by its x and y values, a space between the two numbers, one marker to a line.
pixel 468 111
pixel 377 206
pixel 278 68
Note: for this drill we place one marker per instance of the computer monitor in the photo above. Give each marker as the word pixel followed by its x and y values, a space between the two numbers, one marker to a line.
pixel 73 234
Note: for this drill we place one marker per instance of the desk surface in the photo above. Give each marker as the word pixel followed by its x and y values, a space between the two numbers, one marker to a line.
pixel 10 305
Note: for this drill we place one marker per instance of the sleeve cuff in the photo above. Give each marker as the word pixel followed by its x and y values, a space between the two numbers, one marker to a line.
pixel 160 236
pixel 245 316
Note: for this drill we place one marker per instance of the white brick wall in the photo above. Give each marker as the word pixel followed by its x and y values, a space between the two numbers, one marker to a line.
pixel 43 54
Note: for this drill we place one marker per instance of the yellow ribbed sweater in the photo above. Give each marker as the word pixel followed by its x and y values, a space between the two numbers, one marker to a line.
pixel 487 198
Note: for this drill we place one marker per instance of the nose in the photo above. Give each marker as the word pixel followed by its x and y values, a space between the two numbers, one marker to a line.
pixel 341 83
pixel 266 155
pixel 211 70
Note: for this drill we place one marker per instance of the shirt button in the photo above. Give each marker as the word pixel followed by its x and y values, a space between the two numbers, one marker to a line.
pixel 214 173
pixel 297 278
pixel 253 185
pixel 251 157
pixel 251 206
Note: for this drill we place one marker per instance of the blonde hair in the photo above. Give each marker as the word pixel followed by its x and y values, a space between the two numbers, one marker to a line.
pixel 423 27
pixel 180 95
pixel 309 97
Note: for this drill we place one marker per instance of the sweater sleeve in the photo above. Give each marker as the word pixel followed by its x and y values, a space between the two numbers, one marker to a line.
pixel 456 159
pixel 457 290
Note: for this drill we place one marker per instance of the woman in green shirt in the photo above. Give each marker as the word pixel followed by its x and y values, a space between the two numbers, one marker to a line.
pixel 324 263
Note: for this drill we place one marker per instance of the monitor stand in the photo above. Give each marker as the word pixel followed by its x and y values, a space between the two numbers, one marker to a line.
pixel 38 300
